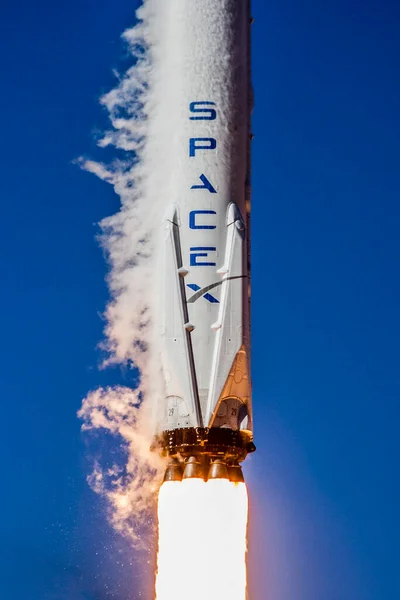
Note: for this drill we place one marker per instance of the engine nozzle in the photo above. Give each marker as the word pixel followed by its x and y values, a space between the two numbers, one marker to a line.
pixel 218 470
pixel 173 471
pixel 235 474
pixel 193 469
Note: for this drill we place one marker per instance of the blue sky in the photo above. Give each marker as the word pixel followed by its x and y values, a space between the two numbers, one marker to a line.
pixel 326 295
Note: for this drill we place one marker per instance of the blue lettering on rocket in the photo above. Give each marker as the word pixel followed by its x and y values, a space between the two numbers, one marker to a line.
pixel 201 252
pixel 205 114
pixel 196 144
pixel 207 296
pixel 207 185
pixel 200 256
pixel 193 222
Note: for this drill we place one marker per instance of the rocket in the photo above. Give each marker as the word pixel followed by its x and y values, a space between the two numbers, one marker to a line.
pixel 204 415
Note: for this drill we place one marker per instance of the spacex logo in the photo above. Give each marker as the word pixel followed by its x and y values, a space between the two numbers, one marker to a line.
pixel 201 219
pixel 204 291
pixel 201 292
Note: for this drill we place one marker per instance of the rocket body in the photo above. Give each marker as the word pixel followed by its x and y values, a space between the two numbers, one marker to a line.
pixel 203 264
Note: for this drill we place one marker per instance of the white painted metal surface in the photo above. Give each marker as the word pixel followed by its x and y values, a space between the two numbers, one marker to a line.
pixel 203 256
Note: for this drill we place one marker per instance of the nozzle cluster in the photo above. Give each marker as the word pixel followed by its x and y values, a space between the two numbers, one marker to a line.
pixel 196 468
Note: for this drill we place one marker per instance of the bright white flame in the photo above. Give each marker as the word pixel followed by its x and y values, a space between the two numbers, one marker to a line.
pixel 202 541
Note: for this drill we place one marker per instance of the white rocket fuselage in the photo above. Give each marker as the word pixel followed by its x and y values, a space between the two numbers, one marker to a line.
pixel 204 331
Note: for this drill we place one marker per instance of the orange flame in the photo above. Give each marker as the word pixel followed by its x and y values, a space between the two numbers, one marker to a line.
pixel 202 541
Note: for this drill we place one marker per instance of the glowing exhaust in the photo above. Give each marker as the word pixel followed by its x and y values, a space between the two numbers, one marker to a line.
pixel 202 540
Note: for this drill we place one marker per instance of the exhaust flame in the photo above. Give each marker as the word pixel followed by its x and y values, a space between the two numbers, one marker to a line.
pixel 202 540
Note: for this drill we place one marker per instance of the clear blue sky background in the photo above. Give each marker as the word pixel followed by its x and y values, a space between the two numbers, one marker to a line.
pixel 326 327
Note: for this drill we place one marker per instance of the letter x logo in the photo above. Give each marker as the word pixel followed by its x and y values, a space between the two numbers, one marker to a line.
pixel 204 291
pixel 206 296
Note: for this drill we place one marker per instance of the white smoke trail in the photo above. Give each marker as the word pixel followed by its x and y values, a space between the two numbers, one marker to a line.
pixel 131 489
pixel 128 235
pixel 128 239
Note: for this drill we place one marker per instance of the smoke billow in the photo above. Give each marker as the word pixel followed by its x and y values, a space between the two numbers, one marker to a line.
pixel 130 489
pixel 128 237
pixel 129 243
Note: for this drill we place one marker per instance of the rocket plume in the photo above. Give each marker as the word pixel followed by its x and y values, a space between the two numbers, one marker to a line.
pixel 202 528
